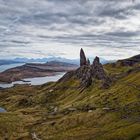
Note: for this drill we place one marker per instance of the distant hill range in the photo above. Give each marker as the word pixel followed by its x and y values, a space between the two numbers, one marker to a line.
pixel 8 62
pixel 44 60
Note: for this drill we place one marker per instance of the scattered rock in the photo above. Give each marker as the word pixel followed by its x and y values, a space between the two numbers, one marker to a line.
pixel 106 108
pixel 90 111
pixel 34 136
pixel 53 110
pixel 87 108
pixel 56 109
pixel 51 90
pixel 72 109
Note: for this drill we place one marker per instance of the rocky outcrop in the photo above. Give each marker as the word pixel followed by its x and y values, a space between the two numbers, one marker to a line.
pixel 129 62
pixel 87 73
pixel 97 69
pixel 84 73
pixel 83 60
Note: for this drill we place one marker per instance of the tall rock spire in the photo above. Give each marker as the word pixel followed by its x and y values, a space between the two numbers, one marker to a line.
pixel 97 69
pixel 83 60
pixel 96 61
pixel 88 73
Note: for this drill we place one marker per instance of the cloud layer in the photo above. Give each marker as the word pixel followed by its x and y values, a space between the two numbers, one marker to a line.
pixel 33 28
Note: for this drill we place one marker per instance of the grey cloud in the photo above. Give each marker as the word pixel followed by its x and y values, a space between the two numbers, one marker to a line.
pixel 78 23
pixel 115 11
pixel 124 34
pixel 20 42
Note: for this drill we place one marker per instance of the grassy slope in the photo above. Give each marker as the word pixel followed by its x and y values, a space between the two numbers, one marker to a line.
pixel 92 114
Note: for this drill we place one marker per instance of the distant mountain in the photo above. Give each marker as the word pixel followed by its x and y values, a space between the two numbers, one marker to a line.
pixel 44 60
pixel 7 62
pixel 59 63
pixel 60 59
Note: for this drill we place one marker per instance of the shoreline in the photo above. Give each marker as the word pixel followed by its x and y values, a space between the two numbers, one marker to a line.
pixel 31 77
pixel 34 80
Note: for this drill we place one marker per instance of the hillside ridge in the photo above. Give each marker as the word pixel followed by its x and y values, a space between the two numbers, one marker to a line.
pixel 72 109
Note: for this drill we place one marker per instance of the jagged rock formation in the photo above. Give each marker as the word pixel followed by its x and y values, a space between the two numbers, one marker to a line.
pixel 87 73
pixel 97 69
pixel 84 73
pixel 83 60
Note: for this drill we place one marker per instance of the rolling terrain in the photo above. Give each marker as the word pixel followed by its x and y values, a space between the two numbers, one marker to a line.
pixel 31 70
pixel 94 102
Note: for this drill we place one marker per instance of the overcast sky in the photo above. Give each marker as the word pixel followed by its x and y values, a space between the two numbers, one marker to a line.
pixel 44 28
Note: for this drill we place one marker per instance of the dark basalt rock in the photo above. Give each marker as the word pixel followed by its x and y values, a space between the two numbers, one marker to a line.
pixel 83 60
pixel 97 69
pixel 87 73
pixel 88 62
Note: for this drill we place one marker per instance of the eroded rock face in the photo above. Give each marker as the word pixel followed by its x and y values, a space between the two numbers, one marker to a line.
pixel 83 60
pixel 97 69
pixel 87 73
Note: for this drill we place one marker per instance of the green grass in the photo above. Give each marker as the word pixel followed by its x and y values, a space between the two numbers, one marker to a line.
pixel 115 114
